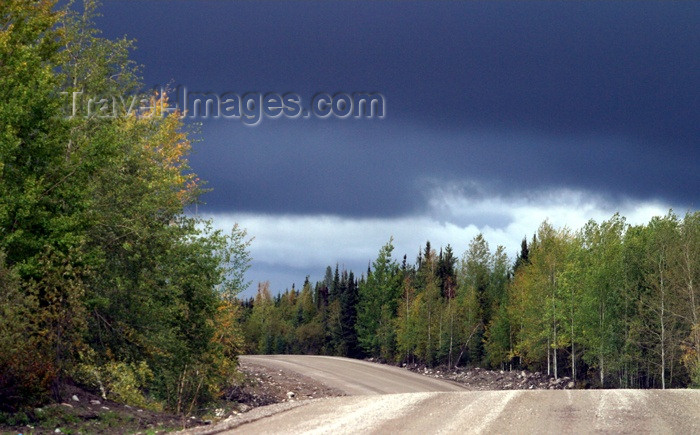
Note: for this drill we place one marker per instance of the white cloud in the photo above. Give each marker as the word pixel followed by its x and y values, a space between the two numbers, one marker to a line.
pixel 309 243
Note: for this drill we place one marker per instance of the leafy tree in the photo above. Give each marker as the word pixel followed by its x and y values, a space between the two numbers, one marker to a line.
pixel 26 374
pixel 658 301
pixel 105 265
pixel 688 283
pixel 348 306
pixel 377 304
pixel 39 225
pixel 498 340
pixel 406 321
pixel 475 275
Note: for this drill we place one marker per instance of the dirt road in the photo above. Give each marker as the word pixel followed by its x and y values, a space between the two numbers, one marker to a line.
pixel 354 377
pixel 440 407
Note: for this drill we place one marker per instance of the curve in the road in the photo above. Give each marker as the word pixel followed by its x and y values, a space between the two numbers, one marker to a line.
pixel 426 405
pixel 474 412
pixel 354 377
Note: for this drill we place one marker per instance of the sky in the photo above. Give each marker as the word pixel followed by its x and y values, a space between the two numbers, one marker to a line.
pixel 497 116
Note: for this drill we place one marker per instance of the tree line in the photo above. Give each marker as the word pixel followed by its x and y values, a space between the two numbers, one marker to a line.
pixel 105 281
pixel 609 305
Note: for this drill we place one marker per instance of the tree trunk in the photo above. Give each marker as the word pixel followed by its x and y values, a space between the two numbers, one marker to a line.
pixel 428 350
pixel 573 348
pixel 554 351
pixel 452 320
pixel 663 328
pixel 573 351
pixel 408 303
pixel 600 348
pixel 549 364
pixel 440 332
pixel 466 343
pixel 554 322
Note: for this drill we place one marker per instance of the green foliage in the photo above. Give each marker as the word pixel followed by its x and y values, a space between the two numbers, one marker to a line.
pixel 101 268
pixel 52 416
pixel 610 305
pixel 498 339
pixel 25 374
pixel 110 419
pixel 14 419
pixel 117 381
pixel 377 305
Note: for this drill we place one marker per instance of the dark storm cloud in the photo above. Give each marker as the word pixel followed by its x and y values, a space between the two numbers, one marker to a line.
pixel 305 167
pixel 515 96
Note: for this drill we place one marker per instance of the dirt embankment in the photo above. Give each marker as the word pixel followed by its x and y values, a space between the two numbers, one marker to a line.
pixel 287 389
pixel 82 411
pixel 265 386
pixel 259 386
pixel 481 379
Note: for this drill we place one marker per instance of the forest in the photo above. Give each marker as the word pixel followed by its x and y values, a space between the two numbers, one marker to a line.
pixel 106 280
pixel 609 305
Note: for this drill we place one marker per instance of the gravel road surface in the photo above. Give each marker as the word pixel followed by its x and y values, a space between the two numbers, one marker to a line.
pixel 516 411
pixel 383 399
pixel 354 377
